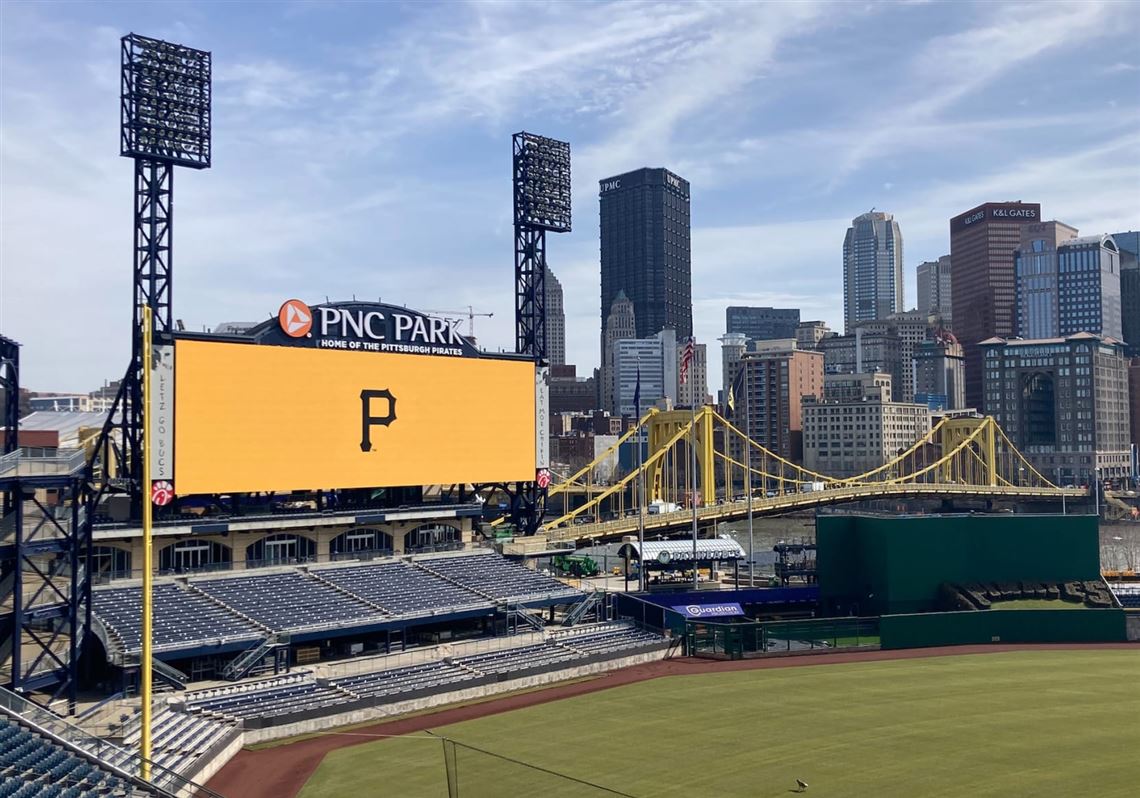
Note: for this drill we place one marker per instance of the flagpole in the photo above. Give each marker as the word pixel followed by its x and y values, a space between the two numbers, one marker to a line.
pixel 690 346
pixel 640 489
pixel 748 476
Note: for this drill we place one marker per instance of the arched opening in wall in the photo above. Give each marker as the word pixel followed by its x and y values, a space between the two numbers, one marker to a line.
pixel 432 537
pixel 109 562
pixel 360 544
pixel 188 556
pixel 280 550
pixel 1038 398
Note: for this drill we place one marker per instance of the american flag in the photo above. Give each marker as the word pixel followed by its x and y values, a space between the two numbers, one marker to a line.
pixel 687 359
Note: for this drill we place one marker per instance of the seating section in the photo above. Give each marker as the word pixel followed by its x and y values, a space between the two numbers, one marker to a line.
pixel 392 683
pixel 618 638
pixel 519 659
pixel 247 608
pixel 177 739
pixel 272 701
pixel 290 600
pixel 33 766
pixel 299 692
pixel 1127 594
pixel 181 617
pixel 400 589
pixel 494 576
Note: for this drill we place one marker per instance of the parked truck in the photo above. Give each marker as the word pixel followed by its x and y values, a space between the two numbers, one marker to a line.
pixel 811 487
pixel 657 507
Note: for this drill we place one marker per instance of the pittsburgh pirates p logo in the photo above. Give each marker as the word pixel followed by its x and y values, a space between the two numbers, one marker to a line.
pixel 368 420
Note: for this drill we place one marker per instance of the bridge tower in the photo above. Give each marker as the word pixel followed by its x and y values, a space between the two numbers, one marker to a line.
pixel 957 431
pixel 663 426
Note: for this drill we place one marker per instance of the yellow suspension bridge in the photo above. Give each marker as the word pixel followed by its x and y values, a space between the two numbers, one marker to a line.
pixel 966 457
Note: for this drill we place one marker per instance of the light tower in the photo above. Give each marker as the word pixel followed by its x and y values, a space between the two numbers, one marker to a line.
pixel 165 122
pixel 541 168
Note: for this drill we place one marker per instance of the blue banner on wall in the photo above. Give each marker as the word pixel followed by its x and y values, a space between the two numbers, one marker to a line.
pixel 709 610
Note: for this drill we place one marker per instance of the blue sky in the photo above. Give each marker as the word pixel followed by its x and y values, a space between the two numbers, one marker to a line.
pixel 364 149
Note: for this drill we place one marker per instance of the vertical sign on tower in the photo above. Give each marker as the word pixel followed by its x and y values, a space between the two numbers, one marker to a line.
pixel 162 412
pixel 542 417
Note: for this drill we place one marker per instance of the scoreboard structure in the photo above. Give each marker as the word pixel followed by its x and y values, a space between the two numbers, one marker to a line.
pixel 341 395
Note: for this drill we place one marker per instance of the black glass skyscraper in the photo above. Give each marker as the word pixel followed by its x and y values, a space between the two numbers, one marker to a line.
pixel 645 249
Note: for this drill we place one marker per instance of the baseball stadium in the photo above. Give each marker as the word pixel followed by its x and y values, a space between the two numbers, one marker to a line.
pixel 327 555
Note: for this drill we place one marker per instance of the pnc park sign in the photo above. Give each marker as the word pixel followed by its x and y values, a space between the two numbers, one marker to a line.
pixel 363 326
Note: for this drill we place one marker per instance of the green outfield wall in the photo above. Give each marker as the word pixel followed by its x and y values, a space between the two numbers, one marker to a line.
pixel 1002 626
pixel 871 565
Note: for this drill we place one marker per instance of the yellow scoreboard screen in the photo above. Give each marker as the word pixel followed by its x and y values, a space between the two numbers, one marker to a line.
pixel 252 418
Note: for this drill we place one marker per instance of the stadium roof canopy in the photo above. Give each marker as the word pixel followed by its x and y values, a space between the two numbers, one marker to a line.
pixel 665 552
pixel 67 424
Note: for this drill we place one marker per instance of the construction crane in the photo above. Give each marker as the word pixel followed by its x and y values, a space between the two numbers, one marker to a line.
pixel 469 313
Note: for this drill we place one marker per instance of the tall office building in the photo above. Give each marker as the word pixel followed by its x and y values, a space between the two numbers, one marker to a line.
pixel 810 333
pixel 911 328
pixel 872 269
pixel 655 359
pixel 761 324
pixel 1089 286
pixel 1036 275
pixel 934 289
pixel 696 388
pixel 732 347
pixel 555 321
pixel 940 372
pixel 982 243
pixel 645 249
pixel 776 380
pixel 620 325
pixel 1064 402
pixel 1129 245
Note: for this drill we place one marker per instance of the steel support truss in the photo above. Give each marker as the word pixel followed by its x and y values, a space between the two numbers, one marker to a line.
pixel 45 584
pixel 153 287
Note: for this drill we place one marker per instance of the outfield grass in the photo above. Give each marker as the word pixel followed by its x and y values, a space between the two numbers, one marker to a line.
pixel 1036 604
pixel 1022 723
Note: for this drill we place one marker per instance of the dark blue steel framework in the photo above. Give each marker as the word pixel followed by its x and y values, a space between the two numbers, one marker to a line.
pixel 165 110
pixel 541 179
pixel 45 601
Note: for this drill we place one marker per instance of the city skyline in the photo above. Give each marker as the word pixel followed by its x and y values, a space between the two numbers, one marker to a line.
pixel 333 169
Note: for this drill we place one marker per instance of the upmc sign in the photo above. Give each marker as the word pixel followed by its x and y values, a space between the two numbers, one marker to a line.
pixel 1009 213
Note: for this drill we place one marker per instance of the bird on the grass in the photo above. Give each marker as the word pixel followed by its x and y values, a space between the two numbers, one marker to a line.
pixel 803 785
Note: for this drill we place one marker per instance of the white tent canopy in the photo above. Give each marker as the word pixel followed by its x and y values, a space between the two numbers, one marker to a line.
pixel 665 552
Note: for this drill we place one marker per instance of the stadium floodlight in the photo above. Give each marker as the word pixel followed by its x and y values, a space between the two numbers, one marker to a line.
pixel 542 182
pixel 165 102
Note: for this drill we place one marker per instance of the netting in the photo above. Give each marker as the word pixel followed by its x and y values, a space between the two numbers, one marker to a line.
pixel 475 773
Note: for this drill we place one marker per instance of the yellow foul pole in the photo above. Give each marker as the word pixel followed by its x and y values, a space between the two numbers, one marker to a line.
pixel 148 565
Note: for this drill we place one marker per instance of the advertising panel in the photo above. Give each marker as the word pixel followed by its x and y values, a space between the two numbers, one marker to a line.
pixel 253 418
pixel 162 412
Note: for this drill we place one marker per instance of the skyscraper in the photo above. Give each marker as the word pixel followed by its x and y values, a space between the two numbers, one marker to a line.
pixel 1129 246
pixel 555 321
pixel 872 269
pixel 620 325
pixel 762 324
pixel 1035 270
pixel 1089 286
pixel 655 359
pixel 732 346
pixel 982 243
pixel 934 289
pixel 645 249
